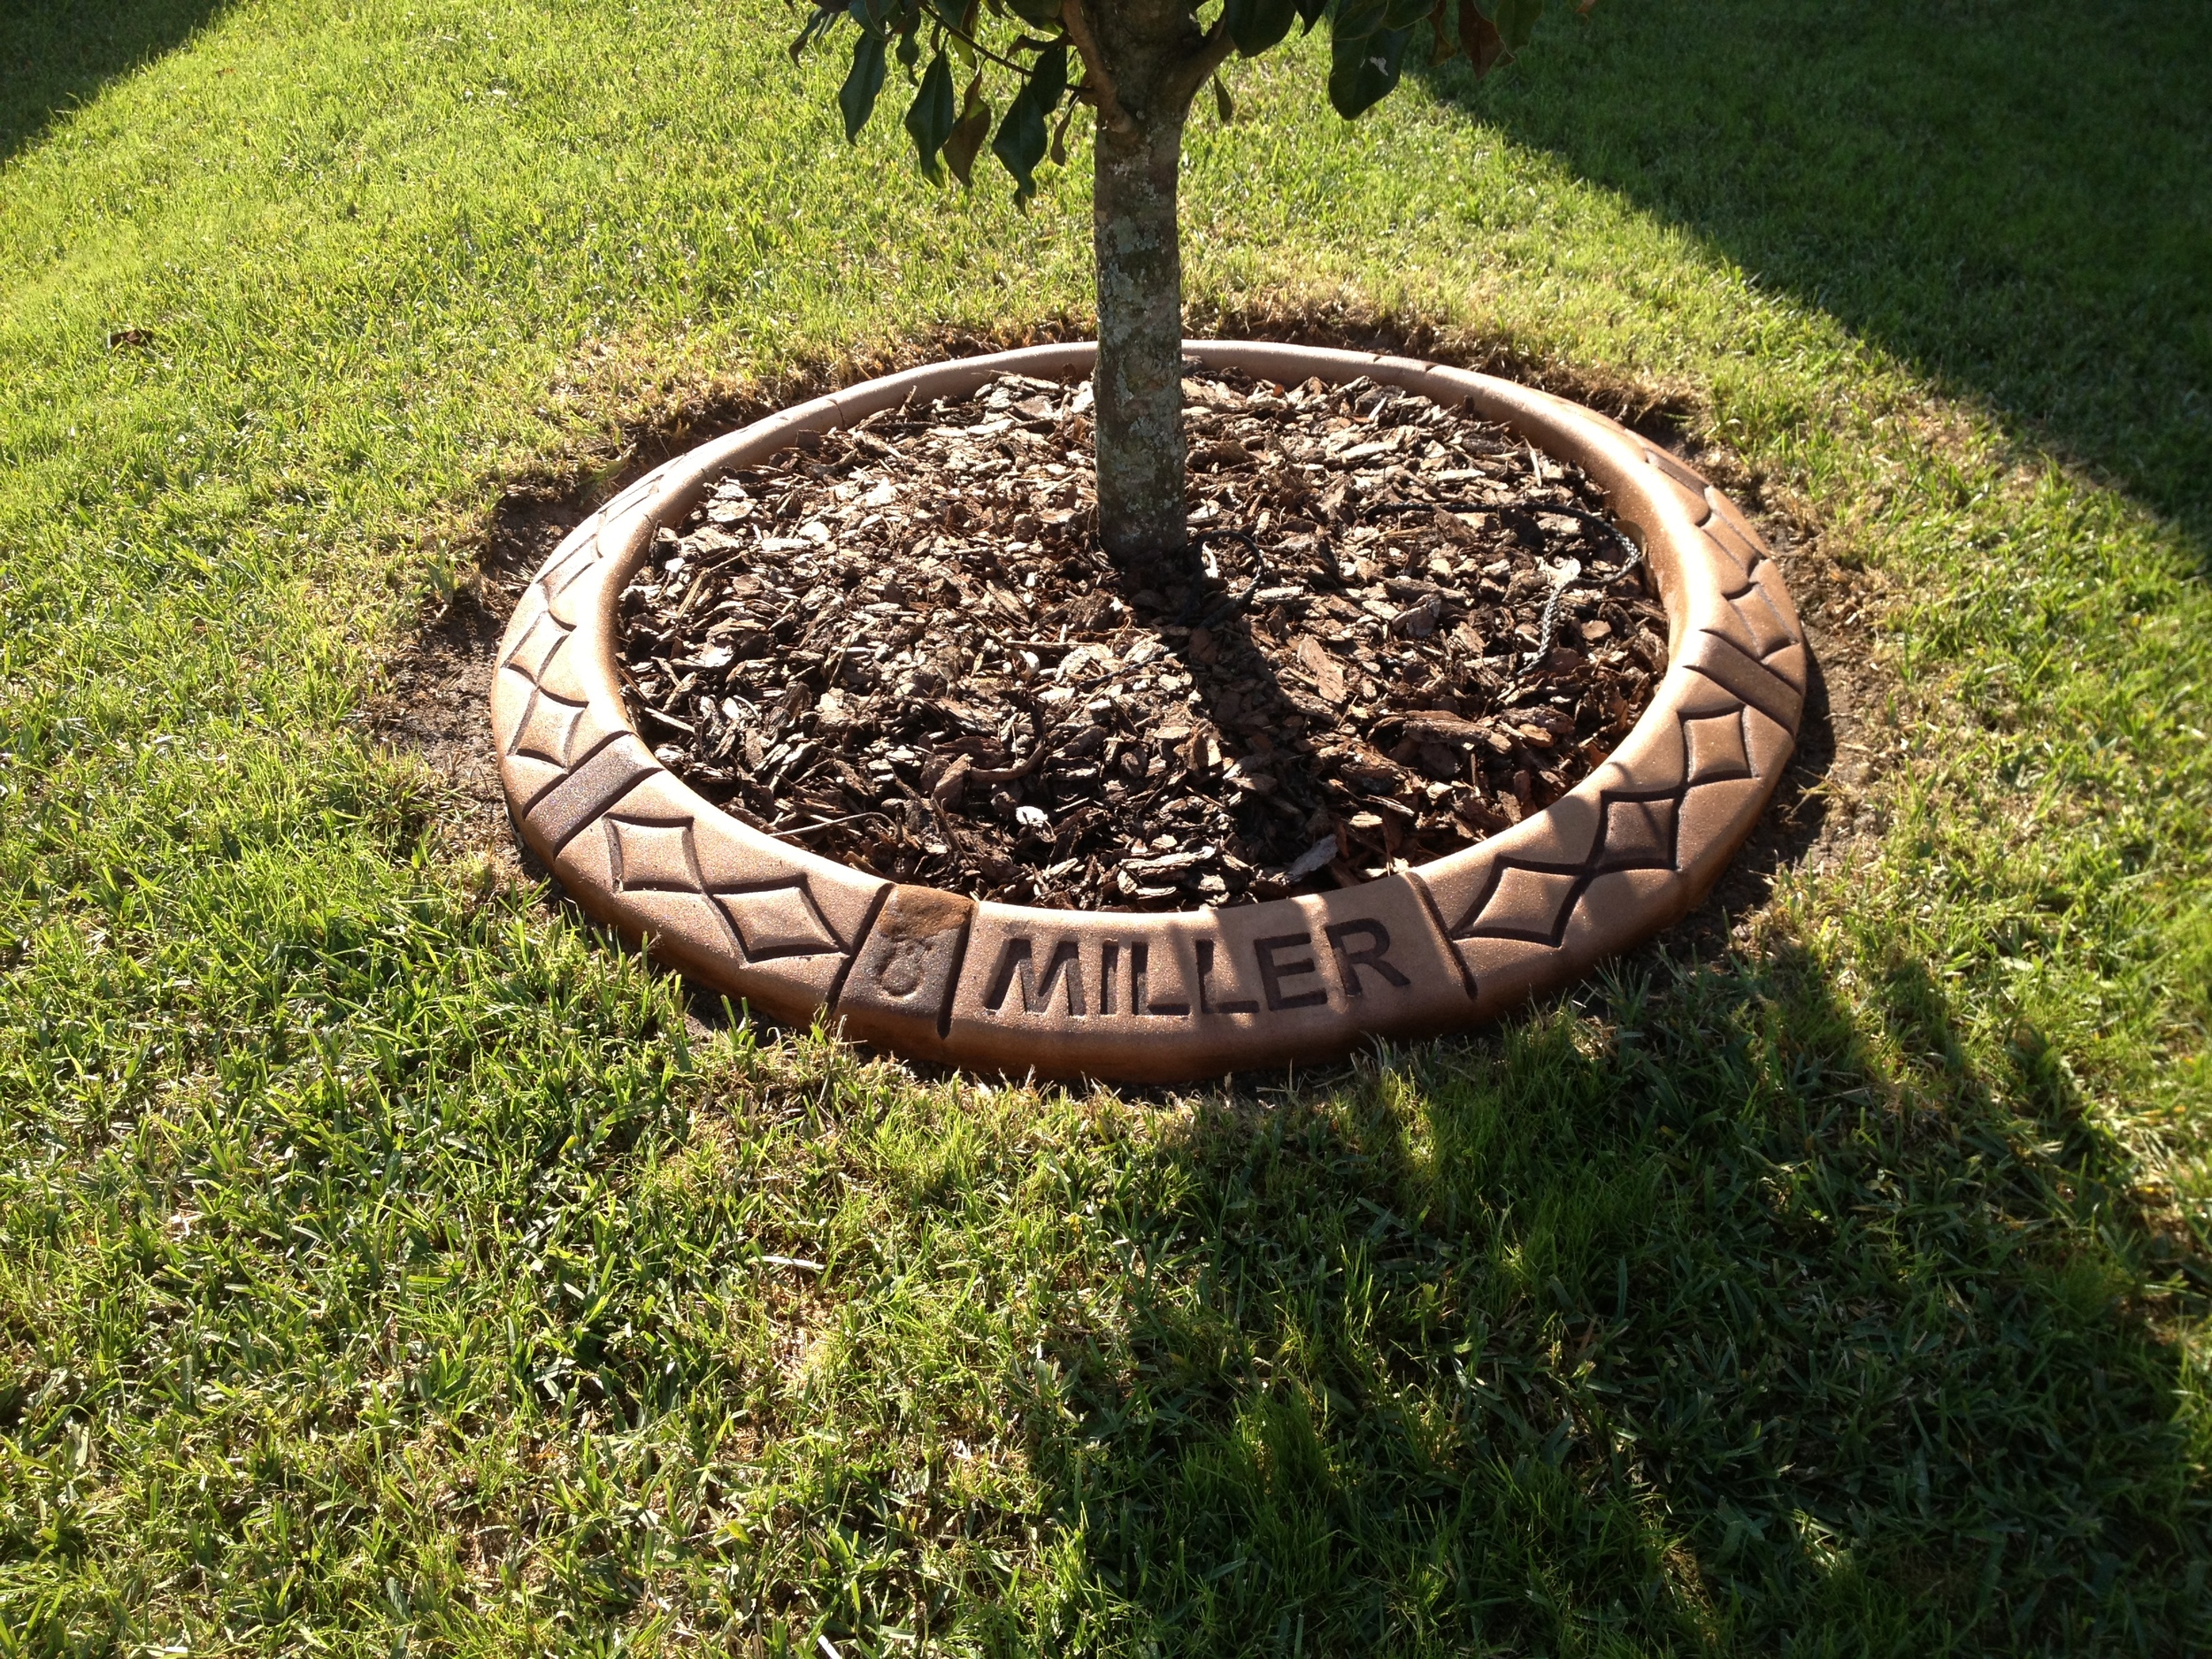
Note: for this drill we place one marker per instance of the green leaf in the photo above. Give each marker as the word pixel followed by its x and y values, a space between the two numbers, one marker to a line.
pixel 1041 13
pixel 1404 14
pixel 857 96
pixel 968 133
pixel 1257 25
pixel 1048 80
pixel 929 118
pixel 1516 21
pixel 1020 143
pixel 1365 58
pixel 1362 77
pixel 1355 19
pixel 816 24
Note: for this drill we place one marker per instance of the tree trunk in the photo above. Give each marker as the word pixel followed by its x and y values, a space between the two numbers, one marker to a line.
pixel 1139 381
pixel 1150 60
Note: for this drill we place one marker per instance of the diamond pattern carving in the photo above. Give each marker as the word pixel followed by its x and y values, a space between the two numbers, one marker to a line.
pixel 1733 556
pixel 766 921
pixel 548 730
pixel 1763 624
pixel 539 646
pixel 1528 901
pixel 1533 901
pixel 582 555
pixel 780 921
pixel 1638 835
pixel 1717 752
pixel 651 858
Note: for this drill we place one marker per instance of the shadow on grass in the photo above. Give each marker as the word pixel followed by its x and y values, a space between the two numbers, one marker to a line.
pixel 1707 1334
pixel 2014 200
pixel 1698 1324
pixel 54 57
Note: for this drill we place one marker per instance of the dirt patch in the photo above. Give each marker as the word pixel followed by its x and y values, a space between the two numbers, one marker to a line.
pixel 433 697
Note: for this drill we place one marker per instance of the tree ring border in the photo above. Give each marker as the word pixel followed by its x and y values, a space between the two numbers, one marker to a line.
pixel 1177 995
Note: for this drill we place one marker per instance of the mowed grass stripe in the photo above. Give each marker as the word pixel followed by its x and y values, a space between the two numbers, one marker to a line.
pixel 381 1256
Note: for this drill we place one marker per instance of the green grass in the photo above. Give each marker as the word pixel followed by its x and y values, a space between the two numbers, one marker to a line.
pixel 385 1262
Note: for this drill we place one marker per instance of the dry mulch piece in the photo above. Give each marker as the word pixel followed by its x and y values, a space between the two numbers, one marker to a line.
pixel 1402 630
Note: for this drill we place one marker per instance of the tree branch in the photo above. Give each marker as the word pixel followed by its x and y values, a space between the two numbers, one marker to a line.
pixel 1098 79
pixel 982 50
pixel 1195 71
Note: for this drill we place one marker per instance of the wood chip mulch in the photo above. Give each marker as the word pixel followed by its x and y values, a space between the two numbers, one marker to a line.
pixel 1403 630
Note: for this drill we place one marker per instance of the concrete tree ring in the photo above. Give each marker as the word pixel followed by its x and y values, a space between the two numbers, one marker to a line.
pixel 1151 996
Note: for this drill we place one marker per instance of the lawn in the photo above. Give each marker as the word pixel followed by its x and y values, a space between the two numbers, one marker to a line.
pixel 389 1262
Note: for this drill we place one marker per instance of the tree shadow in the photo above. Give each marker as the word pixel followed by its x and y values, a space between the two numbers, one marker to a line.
pixel 2016 201
pixel 54 57
pixel 1688 1325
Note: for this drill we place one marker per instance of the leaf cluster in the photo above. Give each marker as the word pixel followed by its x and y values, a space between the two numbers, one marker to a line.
pixel 948 128
pixel 1036 42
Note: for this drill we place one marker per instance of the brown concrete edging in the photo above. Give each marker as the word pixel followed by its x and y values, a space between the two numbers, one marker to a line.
pixel 1150 996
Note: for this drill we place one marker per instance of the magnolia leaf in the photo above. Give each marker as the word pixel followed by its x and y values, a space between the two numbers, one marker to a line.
pixel 1478 39
pixel 1020 143
pixel 1048 78
pixel 1516 21
pixel 1043 13
pixel 1355 19
pixel 968 133
pixel 1256 25
pixel 1365 58
pixel 816 25
pixel 929 118
pixel 1363 76
pixel 1441 48
pixel 1403 14
pixel 857 97
pixel 1223 106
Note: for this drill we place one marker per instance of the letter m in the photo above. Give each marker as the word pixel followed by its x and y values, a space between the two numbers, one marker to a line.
pixel 1016 962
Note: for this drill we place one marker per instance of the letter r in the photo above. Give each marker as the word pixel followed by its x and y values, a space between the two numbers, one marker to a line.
pixel 1349 962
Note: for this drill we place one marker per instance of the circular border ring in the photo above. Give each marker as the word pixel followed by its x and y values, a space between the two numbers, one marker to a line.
pixel 1161 996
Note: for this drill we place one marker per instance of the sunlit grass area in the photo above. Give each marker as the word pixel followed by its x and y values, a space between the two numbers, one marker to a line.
pixel 388 1262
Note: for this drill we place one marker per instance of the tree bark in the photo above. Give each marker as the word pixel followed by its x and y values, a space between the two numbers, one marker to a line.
pixel 1138 383
pixel 1151 59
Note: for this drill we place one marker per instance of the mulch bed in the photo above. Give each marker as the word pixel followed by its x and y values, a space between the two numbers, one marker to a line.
pixel 1403 629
